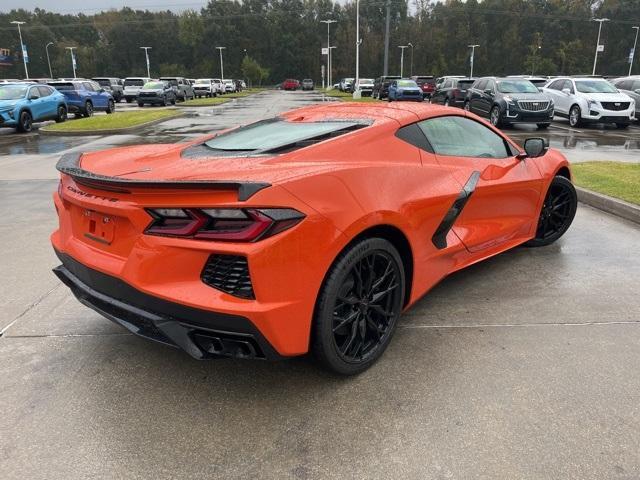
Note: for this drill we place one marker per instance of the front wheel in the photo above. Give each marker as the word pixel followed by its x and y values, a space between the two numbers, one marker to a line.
pixel 494 117
pixel 575 116
pixel 88 110
pixel 62 114
pixel 558 210
pixel 358 307
pixel 111 106
pixel 25 123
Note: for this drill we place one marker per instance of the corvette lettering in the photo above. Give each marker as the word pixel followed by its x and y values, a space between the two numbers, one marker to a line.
pixel 90 195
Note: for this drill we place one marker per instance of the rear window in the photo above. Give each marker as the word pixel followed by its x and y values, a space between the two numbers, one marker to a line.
pixel 203 80
pixel 64 86
pixel 103 82
pixel 423 80
pixel 274 134
pixel 406 83
pixel 133 82
pixel 465 84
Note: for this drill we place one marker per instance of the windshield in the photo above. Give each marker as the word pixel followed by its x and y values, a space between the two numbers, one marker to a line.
pixel 270 134
pixel 153 86
pixel 63 86
pixel 102 82
pixel 12 92
pixel 407 83
pixel 203 80
pixel 465 84
pixel 595 86
pixel 133 82
pixel 366 80
pixel 517 86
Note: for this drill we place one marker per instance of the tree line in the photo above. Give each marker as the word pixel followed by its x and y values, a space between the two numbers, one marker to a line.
pixel 283 38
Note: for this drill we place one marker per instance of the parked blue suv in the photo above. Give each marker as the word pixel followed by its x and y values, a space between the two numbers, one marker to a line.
pixel 85 97
pixel 23 103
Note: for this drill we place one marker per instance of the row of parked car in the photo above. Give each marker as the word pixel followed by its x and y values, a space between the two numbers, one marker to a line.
pixel 518 98
pixel 36 100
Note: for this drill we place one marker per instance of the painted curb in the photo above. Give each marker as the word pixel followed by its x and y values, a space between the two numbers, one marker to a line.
pixel 617 207
pixel 111 131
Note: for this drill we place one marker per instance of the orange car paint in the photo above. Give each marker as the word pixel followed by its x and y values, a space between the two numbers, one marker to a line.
pixel 344 186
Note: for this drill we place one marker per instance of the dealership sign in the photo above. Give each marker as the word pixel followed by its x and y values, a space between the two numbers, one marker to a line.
pixel 5 57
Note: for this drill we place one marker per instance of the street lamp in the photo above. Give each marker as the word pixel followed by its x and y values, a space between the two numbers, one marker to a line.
pixel 73 60
pixel 535 57
pixel 221 64
pixel 146 55
pixel 49 61
pixel 402 47
pixel 328 22
pixel 22 47
pixel 473 51
pixel 411 45
pixel 356 81
pixel 595 59
pixel 633 52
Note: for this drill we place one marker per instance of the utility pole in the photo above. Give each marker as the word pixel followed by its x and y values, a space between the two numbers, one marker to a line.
pixel 411 71
pixel 595 59
pixel 356 81
pixel 473 51
pixel 73 60
pixel 23 48
pixel 49 61
pixel 221 64
pixel 402 47
pixel 633 52
pixel 328 22
pixel 386 40
pixel 146 54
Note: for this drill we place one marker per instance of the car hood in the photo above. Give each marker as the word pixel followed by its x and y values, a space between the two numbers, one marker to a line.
pixel 8 103
pixel 607 97
pixel 151 90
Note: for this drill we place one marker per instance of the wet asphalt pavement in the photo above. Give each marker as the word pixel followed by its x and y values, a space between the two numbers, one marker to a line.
pixel 525 366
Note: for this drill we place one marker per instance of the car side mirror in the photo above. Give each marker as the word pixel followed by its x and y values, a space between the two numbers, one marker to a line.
pixel 488 91
pixel 566 91
pixel 534 147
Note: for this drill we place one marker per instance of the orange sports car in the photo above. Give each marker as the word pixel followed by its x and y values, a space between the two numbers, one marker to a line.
pixel 311 231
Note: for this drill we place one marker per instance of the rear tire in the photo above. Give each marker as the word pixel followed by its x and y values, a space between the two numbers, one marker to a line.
pixel 358 307
pixel 140 104
pixel 558 211
pixel 62 114
pixel 25 122
pixel 128 100
pixel 88 110
pixel 111 107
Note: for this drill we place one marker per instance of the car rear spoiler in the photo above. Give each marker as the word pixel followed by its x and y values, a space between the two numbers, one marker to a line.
pixel 69 164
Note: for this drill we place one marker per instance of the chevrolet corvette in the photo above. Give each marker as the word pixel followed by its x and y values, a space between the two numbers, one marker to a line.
pixel 309 232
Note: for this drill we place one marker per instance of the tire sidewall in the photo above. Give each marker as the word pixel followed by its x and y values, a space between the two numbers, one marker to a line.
pixel 323 345
pixel 24 115
pixel 539 242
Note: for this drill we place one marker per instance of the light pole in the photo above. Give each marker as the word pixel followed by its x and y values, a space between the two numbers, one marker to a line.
pixel 221 64
pixel 73 60
pixel 356 81
pixel 473 51
pixel 146 55
pixel 402 47
pixel 49 61
pixel 328 22
pixel 595 59
pixel 535 57
pixel 411 71
pixel 22 47
pixel 633 52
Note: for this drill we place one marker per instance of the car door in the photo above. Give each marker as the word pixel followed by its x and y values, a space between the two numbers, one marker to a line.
pixel 49 103
pixel 502 192
pixel 566 96
pixel 485 99
pixel 393 87
pixel 475 96
pixel 36 104
pixel 553 91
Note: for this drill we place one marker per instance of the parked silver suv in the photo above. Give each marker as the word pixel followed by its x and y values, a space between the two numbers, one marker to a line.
pixel 182 87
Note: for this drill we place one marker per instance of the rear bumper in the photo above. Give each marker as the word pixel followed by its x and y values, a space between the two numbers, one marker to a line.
pixel 201 333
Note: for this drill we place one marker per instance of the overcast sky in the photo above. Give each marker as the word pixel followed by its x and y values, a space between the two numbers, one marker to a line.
pixel 82 6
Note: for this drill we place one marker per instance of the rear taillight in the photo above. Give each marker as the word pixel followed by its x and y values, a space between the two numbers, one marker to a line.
pixel 222 224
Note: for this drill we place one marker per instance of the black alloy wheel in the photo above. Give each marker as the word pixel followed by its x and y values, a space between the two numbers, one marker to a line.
pixel 558 210
pixel 494 116
pixel 62 114
pixel 88 109
pixel 25 122
pixel 359 306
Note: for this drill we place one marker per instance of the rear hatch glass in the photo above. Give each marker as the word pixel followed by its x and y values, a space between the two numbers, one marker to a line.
pixel 133 82
pixel 465 84
pixel 63 86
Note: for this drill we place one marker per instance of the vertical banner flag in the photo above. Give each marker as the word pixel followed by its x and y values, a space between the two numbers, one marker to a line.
pixel 24 53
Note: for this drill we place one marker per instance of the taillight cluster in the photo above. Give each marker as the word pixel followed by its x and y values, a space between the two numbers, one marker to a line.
pixel 222 224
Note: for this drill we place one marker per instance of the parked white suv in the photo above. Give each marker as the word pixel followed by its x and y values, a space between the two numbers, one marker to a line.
pixel 219 86
pixel 590 100
pixel 132 86
pixel 229 85
pixel 204 87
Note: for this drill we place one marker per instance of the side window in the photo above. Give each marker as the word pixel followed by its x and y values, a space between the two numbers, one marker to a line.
pixel 33 92
pixel 481 85
pixel 44 91
pixel 414 135
pixel 87 86
pixel 491 85
pixel 447 84
pixel 568 84
pixel 463 137
pixel 556 85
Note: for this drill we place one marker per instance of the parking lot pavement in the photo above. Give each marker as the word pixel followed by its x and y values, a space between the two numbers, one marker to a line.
pixel 524 366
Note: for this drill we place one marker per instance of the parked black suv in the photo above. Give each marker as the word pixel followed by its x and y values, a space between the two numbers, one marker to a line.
pixel 452 92
pixel 381 86
pixel 506 101
pixel 115 86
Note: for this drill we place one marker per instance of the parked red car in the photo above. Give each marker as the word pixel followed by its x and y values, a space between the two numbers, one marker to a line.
pixel 427 84
pixel 291 84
